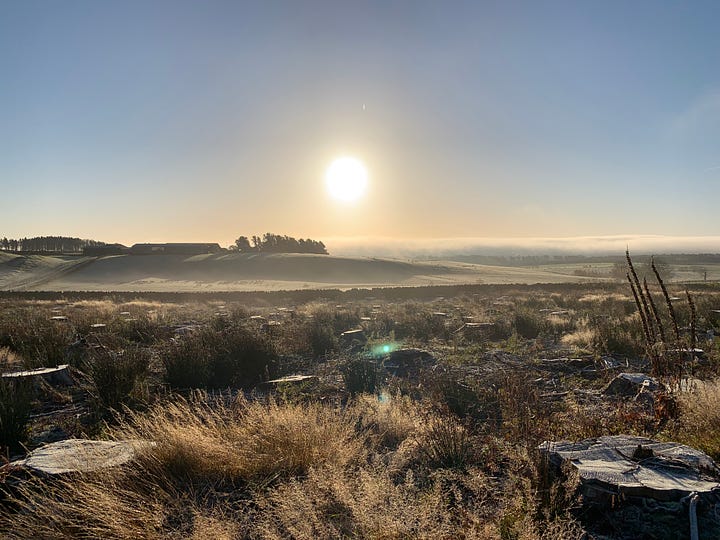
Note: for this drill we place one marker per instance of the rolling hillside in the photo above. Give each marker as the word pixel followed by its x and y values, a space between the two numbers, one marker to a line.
pixel 233 272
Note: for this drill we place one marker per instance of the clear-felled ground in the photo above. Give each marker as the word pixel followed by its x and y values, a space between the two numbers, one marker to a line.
pixel 444 447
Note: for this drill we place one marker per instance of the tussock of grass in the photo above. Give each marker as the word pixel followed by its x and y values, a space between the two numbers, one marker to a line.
pixel 445 443
pixel 389 422
pixel 581 339
pixel 247 441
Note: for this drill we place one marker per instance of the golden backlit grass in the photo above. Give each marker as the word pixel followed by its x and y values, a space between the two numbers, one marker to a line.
pixel 224 468
pixel 244 441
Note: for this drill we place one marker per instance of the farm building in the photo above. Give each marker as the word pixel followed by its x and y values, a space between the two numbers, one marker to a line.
pixel 175 249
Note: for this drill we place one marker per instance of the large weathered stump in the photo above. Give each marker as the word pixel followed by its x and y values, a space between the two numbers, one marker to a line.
pixel 628 466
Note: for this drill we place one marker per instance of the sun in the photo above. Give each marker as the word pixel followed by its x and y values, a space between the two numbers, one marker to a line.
pixel 346 179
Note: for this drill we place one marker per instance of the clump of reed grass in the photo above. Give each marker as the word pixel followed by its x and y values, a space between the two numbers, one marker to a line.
pixel 528 324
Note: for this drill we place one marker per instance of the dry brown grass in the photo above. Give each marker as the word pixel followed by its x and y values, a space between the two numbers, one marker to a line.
pixel 699 421
pixel 100 506
pixel 389 422
pixel 369 468
pixel 233 469
pixel 244 441
pixel 332 503
pixel 582 339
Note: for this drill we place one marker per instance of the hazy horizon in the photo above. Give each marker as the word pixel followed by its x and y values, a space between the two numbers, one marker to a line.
pixel 202 121
pixel 499 246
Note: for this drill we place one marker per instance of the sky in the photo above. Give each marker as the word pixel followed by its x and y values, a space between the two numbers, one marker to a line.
pixel 140 121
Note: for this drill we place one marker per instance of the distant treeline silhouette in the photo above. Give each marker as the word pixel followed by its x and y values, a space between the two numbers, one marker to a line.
pixel 276 243
pixel 48 244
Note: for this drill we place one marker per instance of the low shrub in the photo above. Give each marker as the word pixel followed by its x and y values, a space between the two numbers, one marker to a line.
pixel 417 322
pixel 528 324
pixel 15 405
pixel 445 443
pixel 116 372
pixel 322 338
pixel 613 336
pixel 139 330
pixel 233 357
pixel 360 375
pixel 478 400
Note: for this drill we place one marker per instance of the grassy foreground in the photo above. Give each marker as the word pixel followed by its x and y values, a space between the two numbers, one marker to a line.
pixel 447 451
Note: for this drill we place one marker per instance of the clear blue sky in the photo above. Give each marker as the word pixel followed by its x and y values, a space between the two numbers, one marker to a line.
pixel 172 120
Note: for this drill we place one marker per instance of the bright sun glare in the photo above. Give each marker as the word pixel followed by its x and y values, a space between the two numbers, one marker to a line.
pixel 346 179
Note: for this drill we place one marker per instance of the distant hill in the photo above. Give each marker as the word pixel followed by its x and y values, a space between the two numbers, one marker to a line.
pixel 251 271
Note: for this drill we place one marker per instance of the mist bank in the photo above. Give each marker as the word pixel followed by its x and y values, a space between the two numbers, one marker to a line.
pixel 451 248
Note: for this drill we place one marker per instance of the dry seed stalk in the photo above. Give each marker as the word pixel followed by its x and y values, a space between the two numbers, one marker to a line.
pixel 693 320
pixel 671 310
pixel 653 309
pixel 640 310
pixel 658 320
pixel 644 309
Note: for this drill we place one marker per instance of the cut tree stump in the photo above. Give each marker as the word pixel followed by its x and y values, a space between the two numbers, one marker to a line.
pixel 80 456
pixel 629 466
pixel 290 380
pixel 57 376
pixel 629 384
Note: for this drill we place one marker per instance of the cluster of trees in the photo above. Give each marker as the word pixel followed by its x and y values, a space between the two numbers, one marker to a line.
pixel 276 243
pixel 49 244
